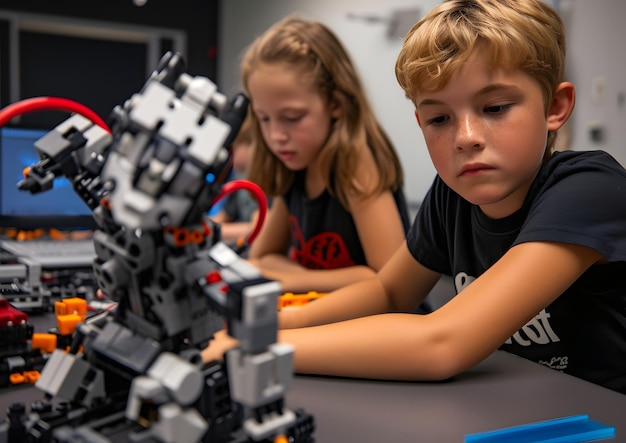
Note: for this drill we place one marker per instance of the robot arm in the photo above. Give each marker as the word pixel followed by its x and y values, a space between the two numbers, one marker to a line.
pixel 74 149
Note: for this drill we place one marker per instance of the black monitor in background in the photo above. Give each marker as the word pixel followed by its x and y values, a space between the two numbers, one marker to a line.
pixel 96 73
pixel 57 208
pixel 96 63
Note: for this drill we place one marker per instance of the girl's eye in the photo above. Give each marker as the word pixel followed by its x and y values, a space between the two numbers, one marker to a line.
pixel 292 119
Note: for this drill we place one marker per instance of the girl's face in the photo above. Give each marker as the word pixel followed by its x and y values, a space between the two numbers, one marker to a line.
pixel 486 134
pixel 295 119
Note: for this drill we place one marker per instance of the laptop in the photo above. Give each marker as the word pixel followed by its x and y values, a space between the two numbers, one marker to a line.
pixel 58 209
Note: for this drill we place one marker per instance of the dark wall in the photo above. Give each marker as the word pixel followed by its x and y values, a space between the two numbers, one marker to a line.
pixel 197 18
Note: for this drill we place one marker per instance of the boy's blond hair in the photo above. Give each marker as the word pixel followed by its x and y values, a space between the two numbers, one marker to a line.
pixel 517 34
pixel 315 51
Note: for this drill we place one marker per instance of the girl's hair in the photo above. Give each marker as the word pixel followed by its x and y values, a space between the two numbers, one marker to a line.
pixel 315 51
pixel 245 131
pixel 517 34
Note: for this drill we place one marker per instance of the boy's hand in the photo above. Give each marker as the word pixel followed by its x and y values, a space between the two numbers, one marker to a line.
pixel 221 343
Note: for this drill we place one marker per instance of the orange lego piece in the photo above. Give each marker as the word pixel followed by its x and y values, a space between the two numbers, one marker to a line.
pixel 289 299
pixel 66 324
pixel 29 235
pixel 16 378
pixel 31 376
pixel 47 343
pixel 56 234
pixel 73 305
pixel 69 313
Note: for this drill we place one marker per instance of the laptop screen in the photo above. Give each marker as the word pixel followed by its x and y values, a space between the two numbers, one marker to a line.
pixel 58 208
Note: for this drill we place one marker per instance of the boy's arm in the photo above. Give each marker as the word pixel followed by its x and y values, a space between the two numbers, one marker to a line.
pixel 455 337
pixel 407 285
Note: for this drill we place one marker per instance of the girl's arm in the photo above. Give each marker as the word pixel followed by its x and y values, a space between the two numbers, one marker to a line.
pixel 380 231
pixel 377 219
pixel 373 296
pixel 379 226
pixel 268 254
pixel 298 279
pixel 450 340
pixel 275 234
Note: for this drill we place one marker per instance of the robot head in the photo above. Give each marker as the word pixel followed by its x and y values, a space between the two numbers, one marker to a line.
pixel 170 151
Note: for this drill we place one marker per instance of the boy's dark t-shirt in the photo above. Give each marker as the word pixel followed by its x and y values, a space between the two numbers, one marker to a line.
pixel 578 197
pixel 323 233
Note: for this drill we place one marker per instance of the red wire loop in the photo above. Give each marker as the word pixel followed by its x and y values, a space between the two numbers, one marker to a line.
pixel 49 104
pixel 259 196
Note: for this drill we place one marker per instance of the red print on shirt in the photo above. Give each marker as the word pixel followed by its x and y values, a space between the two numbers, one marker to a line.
pixel 325 250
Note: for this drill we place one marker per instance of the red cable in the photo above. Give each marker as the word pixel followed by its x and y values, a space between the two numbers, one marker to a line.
pixel 49 104
pixel 259 196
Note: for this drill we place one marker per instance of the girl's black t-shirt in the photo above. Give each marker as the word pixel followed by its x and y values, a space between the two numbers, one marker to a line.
pixel 323 233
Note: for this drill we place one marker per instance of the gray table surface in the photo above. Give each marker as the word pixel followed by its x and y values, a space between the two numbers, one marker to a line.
pixel 503 391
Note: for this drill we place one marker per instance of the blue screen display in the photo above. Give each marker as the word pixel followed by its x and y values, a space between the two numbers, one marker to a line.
pixel 16 153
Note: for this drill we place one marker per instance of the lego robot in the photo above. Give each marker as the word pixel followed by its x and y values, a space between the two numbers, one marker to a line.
pixel 135 373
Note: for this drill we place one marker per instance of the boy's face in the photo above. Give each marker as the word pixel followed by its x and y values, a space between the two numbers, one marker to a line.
pixel 486 134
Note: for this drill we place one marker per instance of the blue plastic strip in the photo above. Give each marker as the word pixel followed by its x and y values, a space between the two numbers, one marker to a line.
pixel 574 429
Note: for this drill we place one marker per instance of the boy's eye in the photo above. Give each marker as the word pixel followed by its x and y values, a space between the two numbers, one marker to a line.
pixel 437 120
pixel 496 109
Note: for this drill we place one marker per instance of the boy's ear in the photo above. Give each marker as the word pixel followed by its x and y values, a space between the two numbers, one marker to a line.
pixel 417 117
pixel 561 106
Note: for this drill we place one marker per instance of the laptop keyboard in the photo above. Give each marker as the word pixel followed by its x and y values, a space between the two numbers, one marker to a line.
pixel 55 253
pixel 48 247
